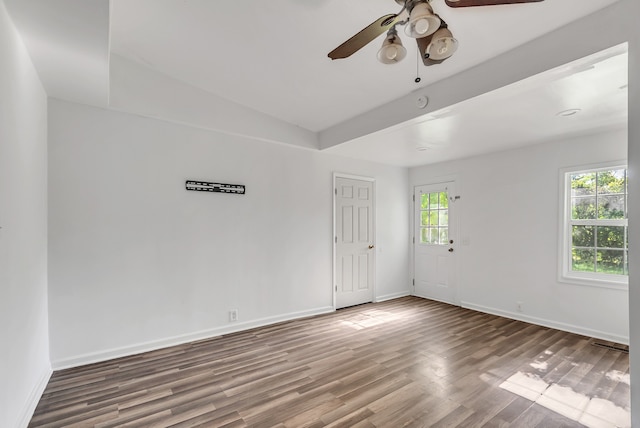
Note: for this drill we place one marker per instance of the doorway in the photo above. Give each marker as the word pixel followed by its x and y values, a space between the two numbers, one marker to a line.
pixel 354 248
pixel 435 242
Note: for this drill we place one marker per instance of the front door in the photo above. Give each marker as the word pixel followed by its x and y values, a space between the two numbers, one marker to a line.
pixel 435 242
pixel 354 242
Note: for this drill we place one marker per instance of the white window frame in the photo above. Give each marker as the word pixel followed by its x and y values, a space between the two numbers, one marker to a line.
pixel 420 225
pixel 565 274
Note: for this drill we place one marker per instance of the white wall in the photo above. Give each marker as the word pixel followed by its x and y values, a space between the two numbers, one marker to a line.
pixel 25 367
pixel 509 215
pixel 633 30
pixel 136 261
pixel 68 41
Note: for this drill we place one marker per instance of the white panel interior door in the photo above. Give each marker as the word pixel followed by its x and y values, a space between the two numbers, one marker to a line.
pixel 354 242
pixel 435 239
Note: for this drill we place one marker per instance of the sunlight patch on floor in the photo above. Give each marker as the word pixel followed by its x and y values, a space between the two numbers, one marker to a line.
pixel 528 386
pixel 591 412
pixel 564 400
pixel 619 376
pixel 371 319
pixel 351 324
pixel 540 365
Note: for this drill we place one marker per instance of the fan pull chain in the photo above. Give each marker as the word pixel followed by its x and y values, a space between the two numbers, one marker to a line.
pixel 417 79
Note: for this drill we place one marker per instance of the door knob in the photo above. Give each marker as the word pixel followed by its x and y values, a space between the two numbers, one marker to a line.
pixel 451 250
pixel 371 247
pixel 451 241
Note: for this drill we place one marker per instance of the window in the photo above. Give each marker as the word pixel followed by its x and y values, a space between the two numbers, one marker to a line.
pixel 595 247
pixel 434 218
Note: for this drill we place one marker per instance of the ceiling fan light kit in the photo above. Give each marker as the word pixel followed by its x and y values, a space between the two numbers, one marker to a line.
pixel 392 50
pixel 434 39
pixel 422 21
pixel 442 45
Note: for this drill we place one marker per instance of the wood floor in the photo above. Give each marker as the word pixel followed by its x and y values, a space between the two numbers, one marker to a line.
pixel 407 362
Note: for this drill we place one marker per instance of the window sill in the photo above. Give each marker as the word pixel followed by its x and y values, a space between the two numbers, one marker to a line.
pixel 614 283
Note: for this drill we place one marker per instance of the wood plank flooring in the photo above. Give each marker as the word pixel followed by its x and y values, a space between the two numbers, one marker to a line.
pixel 406 362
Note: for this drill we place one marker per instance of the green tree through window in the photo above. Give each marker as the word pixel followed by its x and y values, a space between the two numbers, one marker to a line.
pixel 598 221
pixel 434 218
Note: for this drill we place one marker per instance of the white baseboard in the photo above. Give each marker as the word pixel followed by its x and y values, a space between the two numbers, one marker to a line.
pixel 548 323
pixel 33 400
pixel 109 354
pixel 437 300
pixel 392 296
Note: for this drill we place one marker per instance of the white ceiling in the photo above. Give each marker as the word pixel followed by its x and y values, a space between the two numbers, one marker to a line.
pixel 271 57
pixel 520 114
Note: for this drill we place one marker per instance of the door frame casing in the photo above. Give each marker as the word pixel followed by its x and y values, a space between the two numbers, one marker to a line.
pixel 456 221
pixel 334 189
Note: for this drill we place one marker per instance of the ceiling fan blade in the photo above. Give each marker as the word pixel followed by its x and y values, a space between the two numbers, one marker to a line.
pixel 365 36
pixel 468 3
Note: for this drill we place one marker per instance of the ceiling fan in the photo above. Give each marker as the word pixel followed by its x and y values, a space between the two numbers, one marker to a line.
pixel 435 41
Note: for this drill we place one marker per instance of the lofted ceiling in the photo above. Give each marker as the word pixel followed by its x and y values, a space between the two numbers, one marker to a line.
pixel 271 57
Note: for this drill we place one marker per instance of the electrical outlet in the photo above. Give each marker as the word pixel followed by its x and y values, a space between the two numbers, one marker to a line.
pixel 519 306
pixel 233 315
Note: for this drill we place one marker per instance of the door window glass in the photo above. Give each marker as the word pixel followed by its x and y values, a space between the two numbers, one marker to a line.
pixel 434 218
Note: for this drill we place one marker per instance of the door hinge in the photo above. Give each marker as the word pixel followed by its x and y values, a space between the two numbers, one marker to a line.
pixel 413 282
pixel 414 239
pixel 336 288
pixel 335 239
pixel 414 198
pixel 335 191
